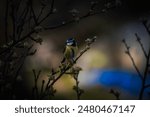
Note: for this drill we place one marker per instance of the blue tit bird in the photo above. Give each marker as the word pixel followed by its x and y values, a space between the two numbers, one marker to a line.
pixel 70 51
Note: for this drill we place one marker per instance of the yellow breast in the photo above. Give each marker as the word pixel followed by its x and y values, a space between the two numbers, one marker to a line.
pixel 70 52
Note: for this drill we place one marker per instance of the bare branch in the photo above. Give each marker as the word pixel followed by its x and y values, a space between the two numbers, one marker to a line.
pixel 42 9
pixel 22 29
pixel 14 44
pixel 47 28
pixel 146 27
pixel 71 21
pixel 68 67
pixel 130 56
pixel 33 13
pixel 22 20
pixel 48 14
pixel 24 57
pixel 22 61
pixel 76 87
pixel 115 93
pixel 13 16
pixel 147 64
pixel 135 66
pixel 23 12
pixel 38 40
pixel 35 91
pixel 6 21
pixel 141 45
pixel 52 6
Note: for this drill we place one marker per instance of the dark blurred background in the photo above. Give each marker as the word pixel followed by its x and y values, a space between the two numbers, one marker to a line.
pixel 105 66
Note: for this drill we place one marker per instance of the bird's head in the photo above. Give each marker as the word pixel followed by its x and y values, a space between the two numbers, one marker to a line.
pixel 71 42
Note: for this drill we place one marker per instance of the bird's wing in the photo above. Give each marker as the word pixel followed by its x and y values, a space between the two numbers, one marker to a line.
pixel 73 53
pixel 63 59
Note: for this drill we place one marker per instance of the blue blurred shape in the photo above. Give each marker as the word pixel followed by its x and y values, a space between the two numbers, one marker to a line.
pixel 127 81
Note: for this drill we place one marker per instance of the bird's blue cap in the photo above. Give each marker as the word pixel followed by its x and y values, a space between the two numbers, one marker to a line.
pixel 70 40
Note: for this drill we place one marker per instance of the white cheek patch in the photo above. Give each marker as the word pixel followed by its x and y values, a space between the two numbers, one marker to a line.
pixel 69 43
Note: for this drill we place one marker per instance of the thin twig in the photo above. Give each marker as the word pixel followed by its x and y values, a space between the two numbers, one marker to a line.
pixel 35 88
pixel 146 67
pixel 48 14
pixel 13 16
pixel 71 21
pixel 41 12
pixel 133 62
pixel 147 56
pixel 23 12
pixel 145 76
pixel 18 41
pixel 22 21
pixel 141 45
pixel 115 93
pixel 76 88
pixel 146 27
pixel 33 13
pixel 6 21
